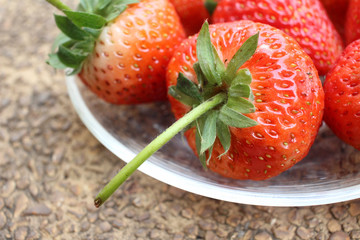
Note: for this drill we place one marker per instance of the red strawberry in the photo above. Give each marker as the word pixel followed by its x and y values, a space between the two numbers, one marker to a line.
pixel 193 13
pixel 121 55
pixel 288 99
pixel 342 96
pixel 336 10
pixel 352 26
pixel 305 20
pixel 253 109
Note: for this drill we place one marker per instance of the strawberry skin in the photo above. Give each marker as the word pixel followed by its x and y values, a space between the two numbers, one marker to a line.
pixel 192 14
pixel 352 25
pixel 336 10
pixel 288 99
pixel 305 20
pixel 129 60
pixel 342 98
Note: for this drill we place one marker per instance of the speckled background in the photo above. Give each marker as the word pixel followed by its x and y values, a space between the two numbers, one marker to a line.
pixel 52 167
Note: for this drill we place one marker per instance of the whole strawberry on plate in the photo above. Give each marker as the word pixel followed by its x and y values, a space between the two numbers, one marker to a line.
pixel 342 96
pixel 250 99
pixel 193 13
pixel 352 25
pixel 119 48
pixel 305 20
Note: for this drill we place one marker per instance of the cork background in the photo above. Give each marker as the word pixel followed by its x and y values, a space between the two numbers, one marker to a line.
pixel 51 167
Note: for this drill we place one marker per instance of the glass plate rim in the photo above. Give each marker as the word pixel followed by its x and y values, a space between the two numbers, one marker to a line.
pixel 200 188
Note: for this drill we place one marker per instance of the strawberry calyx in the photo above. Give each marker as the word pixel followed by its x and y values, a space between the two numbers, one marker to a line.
pixel 214 78
pixel 80 29
pixel 219 100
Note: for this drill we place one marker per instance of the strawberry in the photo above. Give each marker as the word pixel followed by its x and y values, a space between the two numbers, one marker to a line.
pixel 250 97
pixel 336 10
pixel 119 48
pixel 342 98
pixel 288 102
pixel 305 20
pixel 352 26
pixel 193 13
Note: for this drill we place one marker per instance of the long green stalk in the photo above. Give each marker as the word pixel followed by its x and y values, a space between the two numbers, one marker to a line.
pixel 155 145
pixel 59 5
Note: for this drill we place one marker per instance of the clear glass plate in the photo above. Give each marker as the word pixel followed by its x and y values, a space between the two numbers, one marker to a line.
pixel 329 174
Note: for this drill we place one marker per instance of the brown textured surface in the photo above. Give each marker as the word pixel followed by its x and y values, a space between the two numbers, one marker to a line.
pixel 51 166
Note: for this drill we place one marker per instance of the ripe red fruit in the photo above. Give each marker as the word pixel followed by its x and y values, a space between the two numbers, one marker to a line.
pixel 305 20
pixel 352 25
pixel 336 10
pixel 342 98
pixel 288 101
pixel 193 13
pixel 211 74
pixel 121 57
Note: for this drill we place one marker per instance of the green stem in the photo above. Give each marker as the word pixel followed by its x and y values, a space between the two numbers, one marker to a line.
pixel 59 5
pixel 155 145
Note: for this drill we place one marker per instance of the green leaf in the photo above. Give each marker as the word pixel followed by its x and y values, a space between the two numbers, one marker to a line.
pixel 95 33
pixel 206 89
pixel 102 4
pixel 238 95
pixel 69 44
pixel 243 76
pixel 84 47
pixel 223 133
pixel 71 58
pixel 202 157
pixel 86 5
pixel 244 53
pixel 251 97
pixel 84 19
pixel 209 131
pixel 205 54
pixel 240 90
pixel 199 74
pixel 210 6
pixel 70 29
pixel 115 12
pixel 125 2
pixel 234 119
pixel 210 150
pixel 240 105
pixel 219 65
pixel 188 87
pixel 182 97
pixel 59 40
pixel 55 62
pixel 186 91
